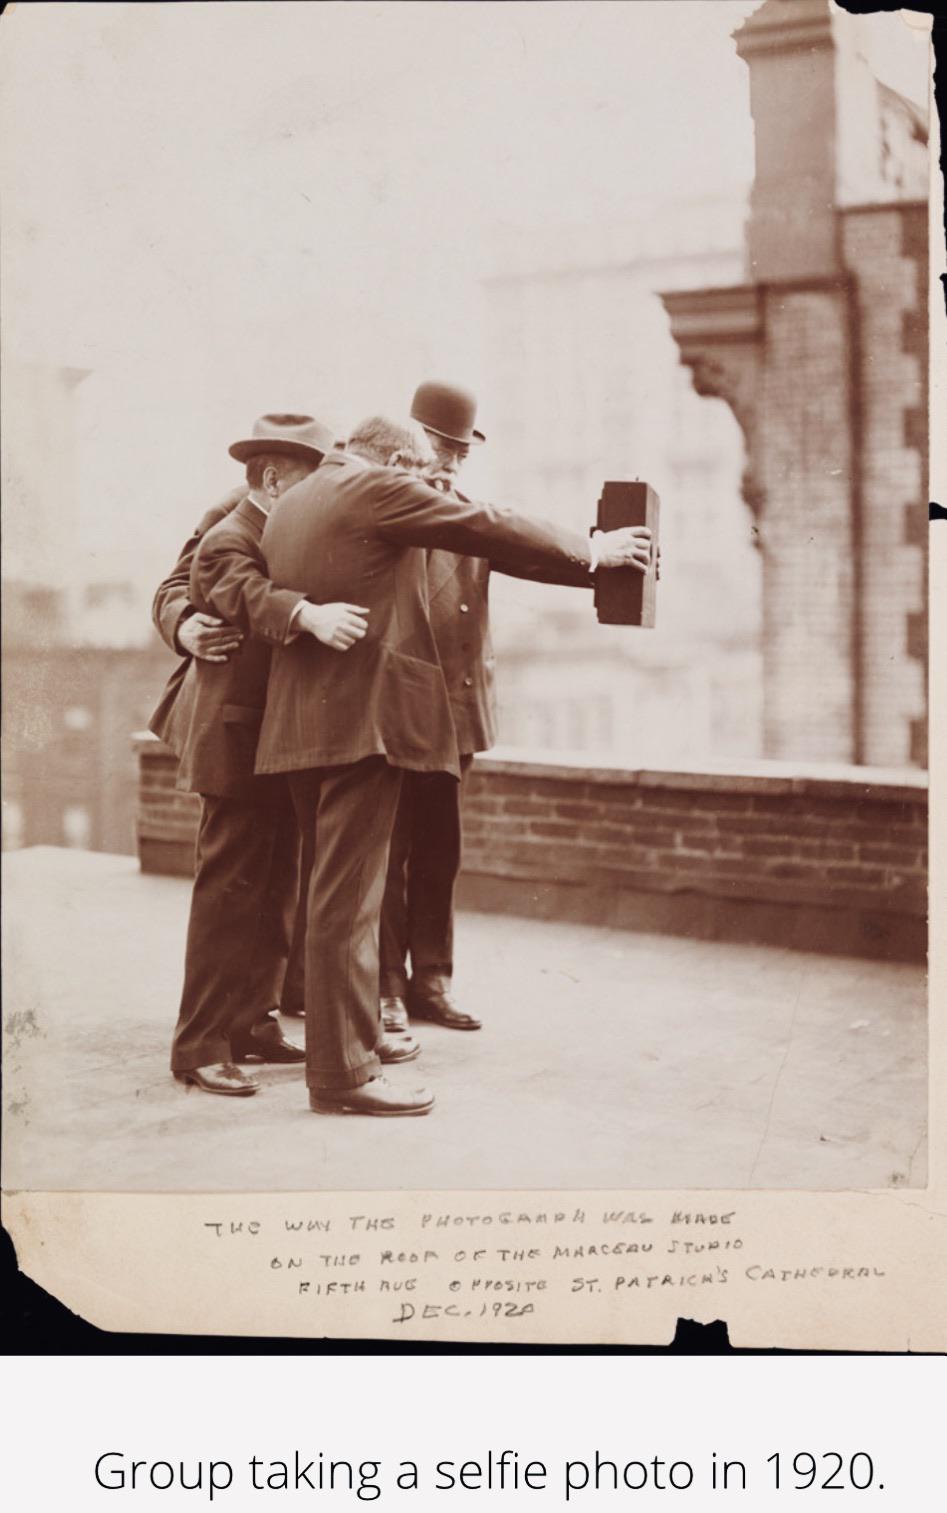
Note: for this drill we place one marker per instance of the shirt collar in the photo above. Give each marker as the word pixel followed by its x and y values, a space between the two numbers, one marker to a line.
pixel 264 511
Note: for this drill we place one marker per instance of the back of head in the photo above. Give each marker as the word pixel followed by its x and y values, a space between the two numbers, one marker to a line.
pixel 391 443
pixel 281 471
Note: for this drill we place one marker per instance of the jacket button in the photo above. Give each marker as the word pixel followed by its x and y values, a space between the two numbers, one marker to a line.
pixel 468 682
pixel 464 608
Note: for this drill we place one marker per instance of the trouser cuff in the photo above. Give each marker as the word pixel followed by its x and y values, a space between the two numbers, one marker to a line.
pixel 337 1081
pixel 431 979
pixel 215 1055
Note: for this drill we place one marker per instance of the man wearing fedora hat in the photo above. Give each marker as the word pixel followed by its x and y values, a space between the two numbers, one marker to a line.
pixel 346 733
pixel 246 881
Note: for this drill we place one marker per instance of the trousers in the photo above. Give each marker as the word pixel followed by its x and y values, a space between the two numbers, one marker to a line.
pixel 345 816
pixel 417 917
pixel 241 921
pixel 293 997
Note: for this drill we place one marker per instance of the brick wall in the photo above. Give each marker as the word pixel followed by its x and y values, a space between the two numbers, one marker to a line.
pixel 804 418
pixel 886 249
pixel 830 859
pixel 167 820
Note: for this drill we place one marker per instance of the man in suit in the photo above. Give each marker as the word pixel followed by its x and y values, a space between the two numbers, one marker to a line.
pixel 343 729
pixel 246 881
pixel 190 633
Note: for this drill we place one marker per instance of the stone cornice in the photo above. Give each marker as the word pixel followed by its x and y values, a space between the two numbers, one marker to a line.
pixel 784 26
pixel 718 332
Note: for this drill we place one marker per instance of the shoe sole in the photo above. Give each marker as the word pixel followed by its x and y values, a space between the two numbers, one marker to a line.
pixel 374 1113
pixel 254 1058
pixel 221 1092
pixel 447 1024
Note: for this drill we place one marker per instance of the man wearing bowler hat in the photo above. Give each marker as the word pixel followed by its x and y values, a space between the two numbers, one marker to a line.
pixel 345 730
pixel 424 860
pixel 246 881
pixel 417 919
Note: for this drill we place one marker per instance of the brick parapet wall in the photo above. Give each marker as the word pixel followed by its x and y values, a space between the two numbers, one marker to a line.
pixel 167 820
pixel 749 834
pixel 832 859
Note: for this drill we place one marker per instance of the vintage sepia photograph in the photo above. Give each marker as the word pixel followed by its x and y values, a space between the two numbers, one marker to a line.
pixel 465 514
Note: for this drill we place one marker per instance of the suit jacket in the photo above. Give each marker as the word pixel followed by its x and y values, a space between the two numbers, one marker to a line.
pixel 171 605
pixel 217 716
pixel 459 595
pixel 355 531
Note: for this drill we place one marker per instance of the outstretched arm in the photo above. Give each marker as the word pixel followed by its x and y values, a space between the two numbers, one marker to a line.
pixel 584 577
pixel 410 512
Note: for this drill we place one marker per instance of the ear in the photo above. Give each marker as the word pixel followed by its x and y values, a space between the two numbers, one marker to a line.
pixel 271 479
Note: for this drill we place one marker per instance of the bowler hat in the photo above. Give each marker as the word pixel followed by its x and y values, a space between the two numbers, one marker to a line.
pixel 447 411
pixel 288 435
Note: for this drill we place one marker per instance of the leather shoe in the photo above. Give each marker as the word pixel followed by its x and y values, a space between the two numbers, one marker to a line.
pixel 223 1077
pixel 432 1000
pixel 376 1097
pixel 267 1043
pixel 391 1048
pixel 394 1015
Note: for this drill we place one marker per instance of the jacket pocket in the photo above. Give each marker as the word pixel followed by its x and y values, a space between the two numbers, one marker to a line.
pixel 240 714
pixel 414 709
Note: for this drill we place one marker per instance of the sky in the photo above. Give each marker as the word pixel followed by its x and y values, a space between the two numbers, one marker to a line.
pixel 221 209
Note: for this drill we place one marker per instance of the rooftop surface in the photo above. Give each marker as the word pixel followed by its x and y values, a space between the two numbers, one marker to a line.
pixel 607 1060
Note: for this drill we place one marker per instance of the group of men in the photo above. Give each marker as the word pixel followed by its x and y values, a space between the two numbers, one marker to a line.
pixel 336 681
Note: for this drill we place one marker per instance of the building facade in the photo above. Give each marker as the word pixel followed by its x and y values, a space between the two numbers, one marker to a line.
pixel 585 385
pixel 821 353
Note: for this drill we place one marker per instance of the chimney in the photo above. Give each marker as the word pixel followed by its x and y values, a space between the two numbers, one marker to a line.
pixel 820 125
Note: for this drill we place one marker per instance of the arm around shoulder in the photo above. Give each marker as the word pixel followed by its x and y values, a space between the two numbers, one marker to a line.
pixel 229 576
pixel 172 603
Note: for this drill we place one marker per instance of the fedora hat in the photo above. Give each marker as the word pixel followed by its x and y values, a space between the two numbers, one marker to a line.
pixel 447 411
pixel 289 435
